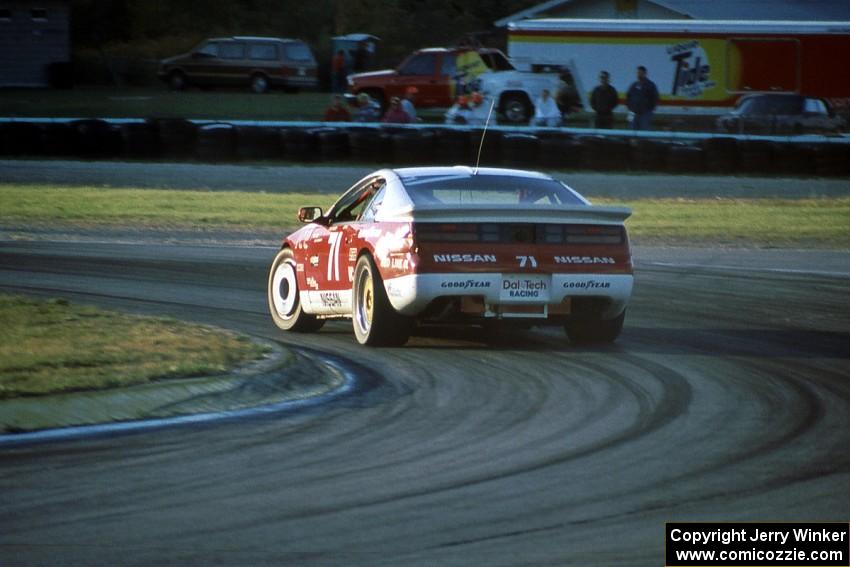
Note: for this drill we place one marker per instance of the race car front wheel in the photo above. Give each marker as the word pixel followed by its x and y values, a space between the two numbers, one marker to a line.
pixel 375 321
pixel 284 302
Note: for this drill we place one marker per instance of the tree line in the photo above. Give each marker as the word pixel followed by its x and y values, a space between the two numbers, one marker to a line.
pixel 160 28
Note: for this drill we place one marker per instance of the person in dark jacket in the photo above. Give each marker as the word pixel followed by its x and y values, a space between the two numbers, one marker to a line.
pixel 338 76
pixel 603 101
pixel 642 99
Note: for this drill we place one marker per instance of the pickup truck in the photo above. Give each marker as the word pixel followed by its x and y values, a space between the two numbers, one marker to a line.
pixel 440 74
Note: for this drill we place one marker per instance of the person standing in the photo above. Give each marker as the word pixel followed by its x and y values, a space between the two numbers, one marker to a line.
pixel 407 103
pixel 338 78
pixel 367 109
pixel 337 112
pixel 603 100
pixel 567 94
pixel 395 114
pixel 642 98
pixel 546 111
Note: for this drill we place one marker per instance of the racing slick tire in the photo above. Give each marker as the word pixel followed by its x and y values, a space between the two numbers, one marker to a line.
pixel 375 321
pixel 284 303
pixel 588 327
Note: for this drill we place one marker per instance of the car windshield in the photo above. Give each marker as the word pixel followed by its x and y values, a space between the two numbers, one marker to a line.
pixel 496 61
pixel 489 190
pixel 298 51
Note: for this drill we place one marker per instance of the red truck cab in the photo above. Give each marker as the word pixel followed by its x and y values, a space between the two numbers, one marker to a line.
pixel 438 73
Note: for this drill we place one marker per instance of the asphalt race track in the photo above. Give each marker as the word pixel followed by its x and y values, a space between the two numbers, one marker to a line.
pixel 726 398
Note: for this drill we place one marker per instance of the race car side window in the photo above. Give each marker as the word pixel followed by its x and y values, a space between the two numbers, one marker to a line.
pixel 352 204
pixel 374 204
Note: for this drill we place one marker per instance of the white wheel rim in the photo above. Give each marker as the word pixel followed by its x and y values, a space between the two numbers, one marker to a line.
pixel 284 290
pixel 364 302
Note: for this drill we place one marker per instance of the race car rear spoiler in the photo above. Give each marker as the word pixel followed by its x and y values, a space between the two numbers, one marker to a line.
pixel 583 214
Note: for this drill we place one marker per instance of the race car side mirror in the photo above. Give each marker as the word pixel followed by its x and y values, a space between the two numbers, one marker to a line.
pixel 309 214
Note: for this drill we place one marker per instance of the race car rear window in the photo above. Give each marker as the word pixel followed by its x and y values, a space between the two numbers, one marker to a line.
pixel 490 190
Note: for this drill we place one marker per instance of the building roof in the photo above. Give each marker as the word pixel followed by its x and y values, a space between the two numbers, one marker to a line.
pixel 789 10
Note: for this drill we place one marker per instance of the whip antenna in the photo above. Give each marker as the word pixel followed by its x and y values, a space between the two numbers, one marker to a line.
pixel 481 145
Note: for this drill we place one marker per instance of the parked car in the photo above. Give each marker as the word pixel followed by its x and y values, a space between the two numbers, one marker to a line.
pixel 260 63
pixel 441 74
pixel 780 114
pixel 455 245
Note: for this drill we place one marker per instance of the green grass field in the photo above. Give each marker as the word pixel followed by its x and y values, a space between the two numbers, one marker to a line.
pixel 158 102
pixel 762 222
pixel 49 347
pixel 221 104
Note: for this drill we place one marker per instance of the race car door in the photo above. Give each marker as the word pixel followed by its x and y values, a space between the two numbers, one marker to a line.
pixel 328 264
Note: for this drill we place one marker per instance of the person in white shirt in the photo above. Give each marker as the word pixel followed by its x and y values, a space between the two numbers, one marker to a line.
pixel 546 111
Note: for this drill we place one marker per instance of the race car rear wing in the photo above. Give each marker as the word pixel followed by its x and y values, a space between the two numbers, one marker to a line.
pixel 514 213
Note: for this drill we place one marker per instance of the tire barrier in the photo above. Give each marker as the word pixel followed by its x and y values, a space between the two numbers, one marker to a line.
pixel 555 150
pixel 519 150
pixel 793 159
pixel 177 137
pixel 413 147
pixel 755 156
pixel 301 145
pixel 216 142
pixel 831 159
pixel 222 142
pixel 97 138
pixel 649 155
pixel 59 139
pixel 605 154
pixel 685 158
pixel 721 154
pixel 370 145
pixel 452 147
pixel 491 148
pixel 258 143
pixel 20 139
pixel 333 144
pixel 140 139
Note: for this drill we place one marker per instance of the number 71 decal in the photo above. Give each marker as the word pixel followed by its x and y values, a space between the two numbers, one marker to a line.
pixel 333 256
pixel 526 260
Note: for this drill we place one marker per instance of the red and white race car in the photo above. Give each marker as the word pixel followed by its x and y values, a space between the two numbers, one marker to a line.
pixel 455 244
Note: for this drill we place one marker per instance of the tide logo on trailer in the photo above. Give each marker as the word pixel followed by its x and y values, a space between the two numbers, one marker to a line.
pixel 692 75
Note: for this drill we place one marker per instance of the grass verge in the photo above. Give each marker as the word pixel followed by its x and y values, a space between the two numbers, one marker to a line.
pixel 51 347
pixel 820 222
pixel 110 102
pixel 154 207
pixel 763 222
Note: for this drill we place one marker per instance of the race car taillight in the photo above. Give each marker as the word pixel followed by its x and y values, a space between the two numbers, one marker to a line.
pixel 593 234
pixel 446 232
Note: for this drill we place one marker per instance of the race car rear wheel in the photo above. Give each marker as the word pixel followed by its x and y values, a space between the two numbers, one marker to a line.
pixel 284 302
pixel 375 321
pixel 590 328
